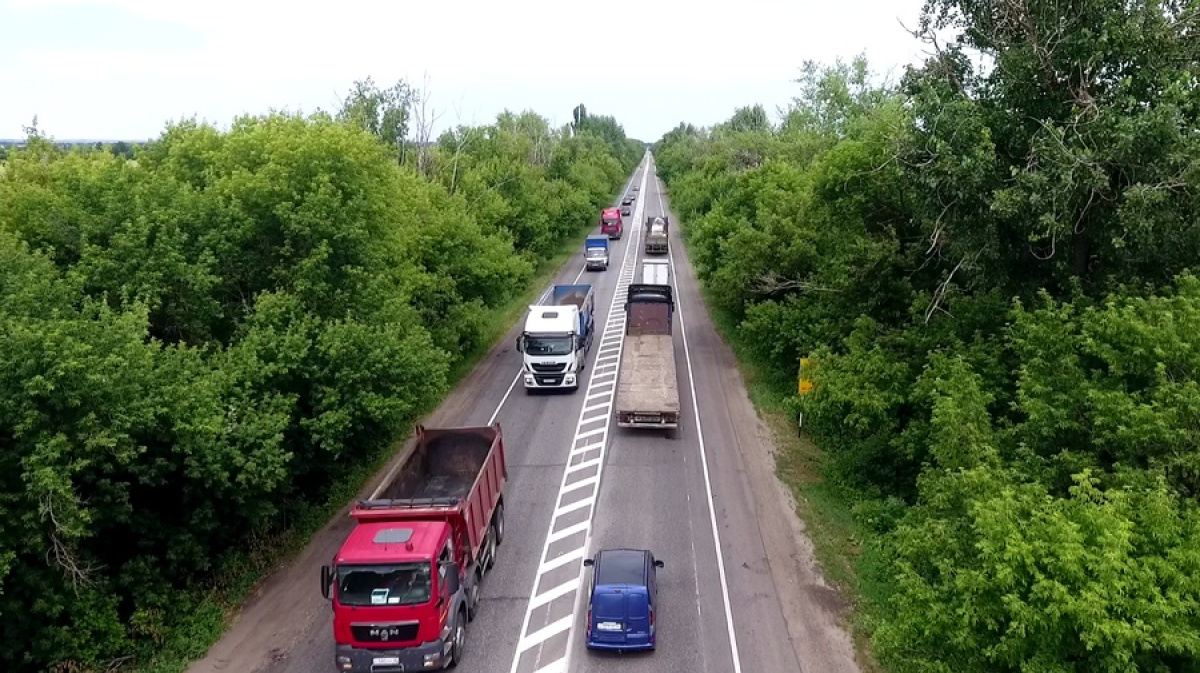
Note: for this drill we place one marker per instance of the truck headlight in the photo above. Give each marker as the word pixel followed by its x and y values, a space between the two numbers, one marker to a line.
pixel 529 379
pixel 570 379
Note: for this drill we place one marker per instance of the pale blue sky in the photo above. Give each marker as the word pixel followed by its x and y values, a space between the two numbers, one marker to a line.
pixel 120 69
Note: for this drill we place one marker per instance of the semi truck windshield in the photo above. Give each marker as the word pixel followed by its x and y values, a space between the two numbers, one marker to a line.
pixel 397 584
pixel 548 346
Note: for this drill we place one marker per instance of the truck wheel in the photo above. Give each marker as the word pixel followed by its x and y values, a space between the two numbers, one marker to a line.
pixel 491 558
pixel 499 523
pixel 460 639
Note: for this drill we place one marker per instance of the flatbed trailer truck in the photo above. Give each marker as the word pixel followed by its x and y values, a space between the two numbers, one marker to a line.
pixel 647 383
pixel 406 580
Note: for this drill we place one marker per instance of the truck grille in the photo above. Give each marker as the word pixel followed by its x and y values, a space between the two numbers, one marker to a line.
pixel 549 369
pixel 555 380
pixel 385 633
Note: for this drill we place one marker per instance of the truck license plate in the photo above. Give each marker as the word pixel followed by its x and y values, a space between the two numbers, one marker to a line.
pixel 387 661
pixel 645 419
pixel 609 626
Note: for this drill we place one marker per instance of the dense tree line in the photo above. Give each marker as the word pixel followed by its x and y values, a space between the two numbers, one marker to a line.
pixel 990 269
pixel 198 339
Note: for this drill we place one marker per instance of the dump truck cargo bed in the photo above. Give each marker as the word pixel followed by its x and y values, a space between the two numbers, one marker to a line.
pixel 647 389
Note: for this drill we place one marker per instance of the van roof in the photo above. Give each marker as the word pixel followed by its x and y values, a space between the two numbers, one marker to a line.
pixel 621 566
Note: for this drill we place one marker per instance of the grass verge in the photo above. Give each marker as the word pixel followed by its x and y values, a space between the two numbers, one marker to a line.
pixel 210 609
pixel 841 545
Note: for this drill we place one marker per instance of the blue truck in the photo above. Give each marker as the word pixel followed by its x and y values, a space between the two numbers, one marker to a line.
pixel 557 337
pixel 595 253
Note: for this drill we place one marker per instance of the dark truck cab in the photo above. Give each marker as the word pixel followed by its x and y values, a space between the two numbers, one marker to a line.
pixel 406 581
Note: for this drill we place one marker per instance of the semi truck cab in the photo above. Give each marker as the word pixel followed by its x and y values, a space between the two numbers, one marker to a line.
pixel 552 347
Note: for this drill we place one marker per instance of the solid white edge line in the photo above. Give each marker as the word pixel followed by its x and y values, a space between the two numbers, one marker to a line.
pixel 712 514
pixel 522 646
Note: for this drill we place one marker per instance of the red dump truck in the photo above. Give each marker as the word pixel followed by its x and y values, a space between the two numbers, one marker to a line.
pixel 406 581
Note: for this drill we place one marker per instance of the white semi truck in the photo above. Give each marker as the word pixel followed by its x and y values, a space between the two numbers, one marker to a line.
pixel 557 337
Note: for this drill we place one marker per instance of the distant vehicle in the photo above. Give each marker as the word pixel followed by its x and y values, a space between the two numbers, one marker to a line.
pixel 595 252
pixel 622 599
pixel 557 337
pixel 626 210
pixel 611 223
pixel 628 200
pixel 637 188
pixel 406 581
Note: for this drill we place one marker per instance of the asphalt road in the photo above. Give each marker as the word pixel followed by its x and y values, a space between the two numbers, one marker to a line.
pixel 601 486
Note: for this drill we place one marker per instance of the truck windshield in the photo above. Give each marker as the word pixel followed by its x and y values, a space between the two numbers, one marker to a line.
pixel 609 220
pixel 396 584
pixel 596 252
pixel 559 345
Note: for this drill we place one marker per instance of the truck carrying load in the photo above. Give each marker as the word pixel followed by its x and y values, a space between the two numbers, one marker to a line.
pixel 406 580
pixel 595 253
pixel 647 386
pixel 557 337
pixel 656 235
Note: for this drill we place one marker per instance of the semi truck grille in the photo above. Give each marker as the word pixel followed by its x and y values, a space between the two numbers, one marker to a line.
pixel 549 369
pixel 385 633
pixel 550 380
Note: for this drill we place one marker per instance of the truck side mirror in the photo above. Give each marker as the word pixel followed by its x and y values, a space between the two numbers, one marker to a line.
pixel 521 344
pixel 588 563
pixel 658 563
pixel 326 580
pixel 452 581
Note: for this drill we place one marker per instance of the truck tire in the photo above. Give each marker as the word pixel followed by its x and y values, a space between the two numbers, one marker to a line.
pixel 498 522
pixel 460 638
pixel 491 557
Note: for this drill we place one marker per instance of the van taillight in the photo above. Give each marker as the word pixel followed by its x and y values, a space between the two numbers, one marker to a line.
pixel 589 620
pixel 651 616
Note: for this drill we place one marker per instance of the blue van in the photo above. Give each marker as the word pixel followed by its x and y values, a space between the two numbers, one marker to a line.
pixel 623 598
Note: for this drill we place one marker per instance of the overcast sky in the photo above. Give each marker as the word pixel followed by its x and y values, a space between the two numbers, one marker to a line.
pixel 120 69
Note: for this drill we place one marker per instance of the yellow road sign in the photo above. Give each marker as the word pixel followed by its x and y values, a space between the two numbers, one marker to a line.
pixel 806 384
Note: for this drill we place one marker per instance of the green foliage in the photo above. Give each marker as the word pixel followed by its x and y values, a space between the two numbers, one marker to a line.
pixel 990 269
pixel 201 343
